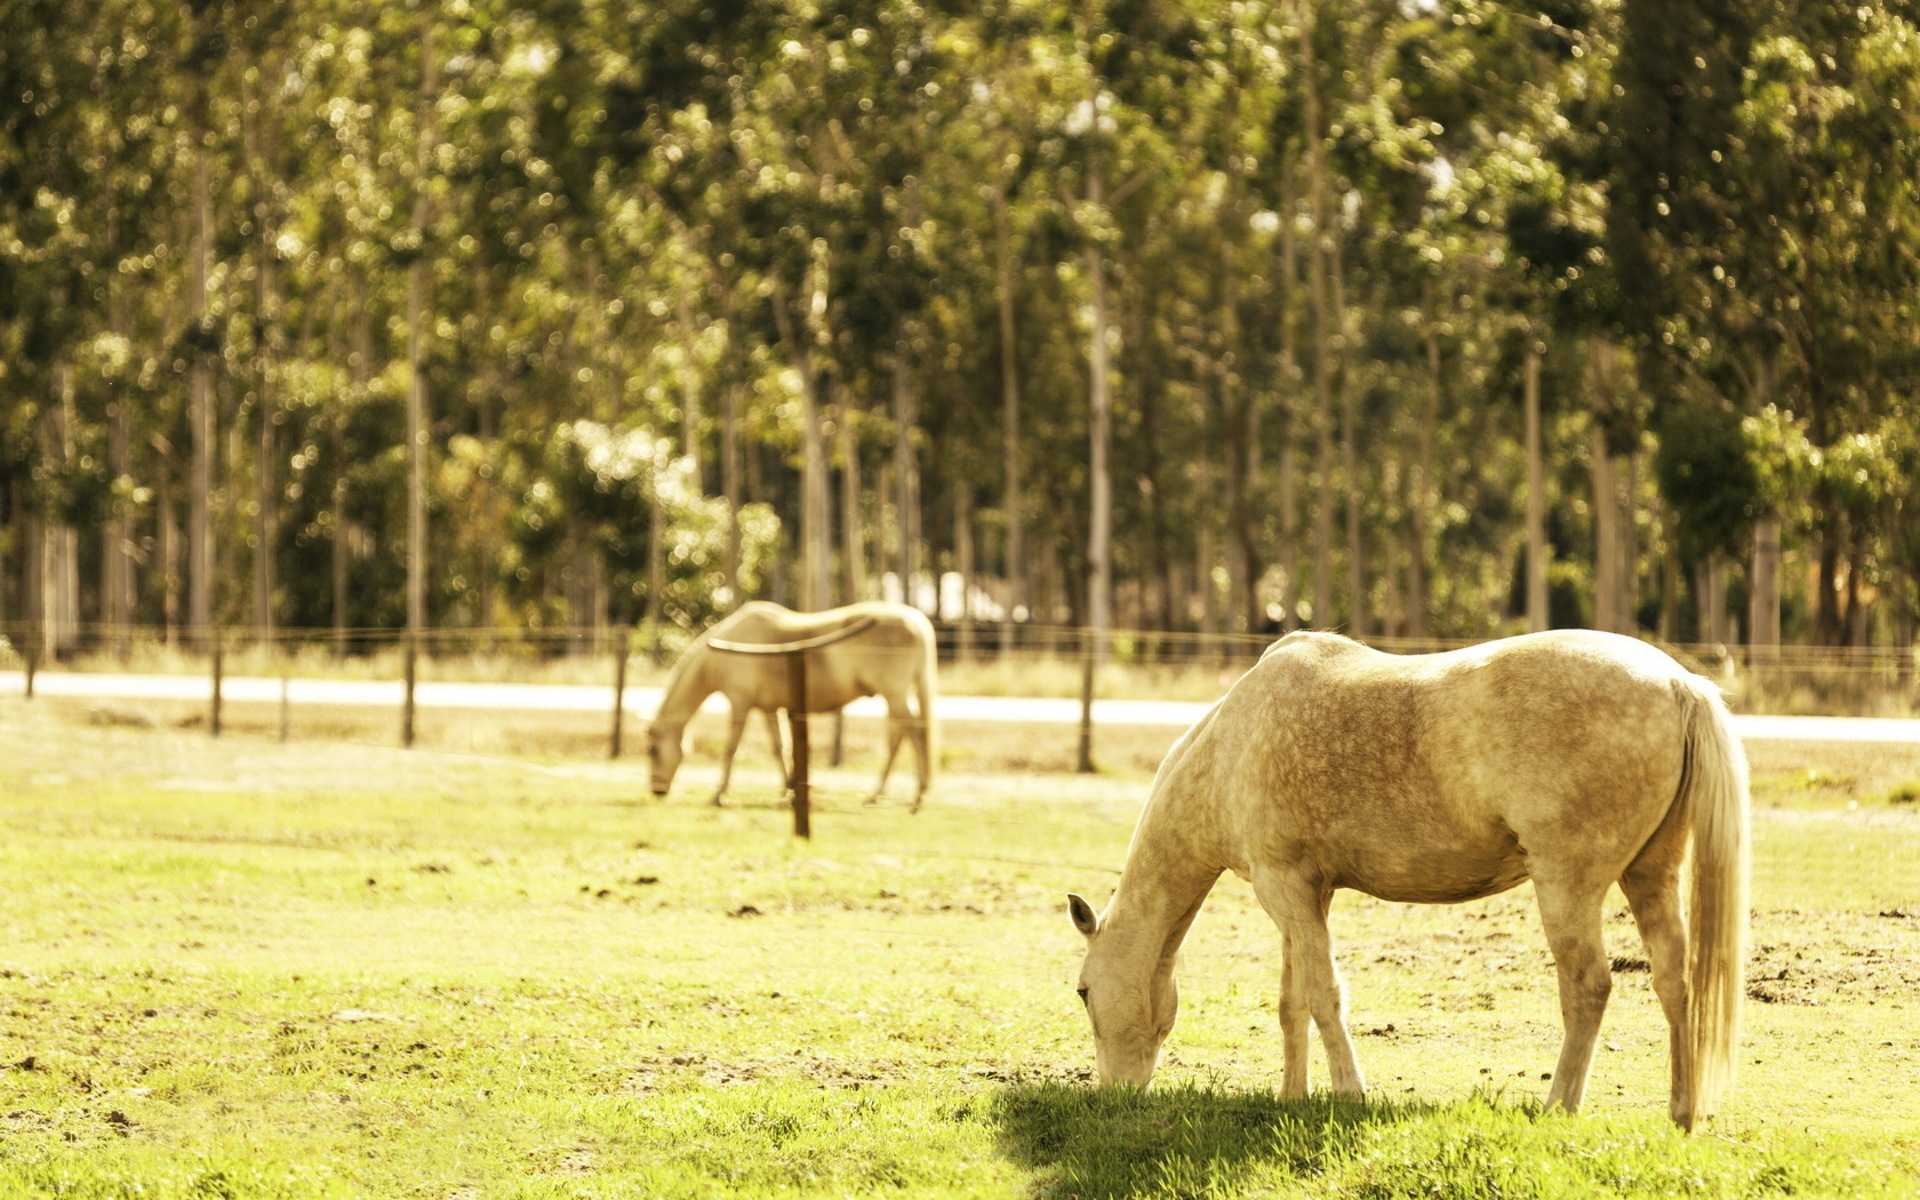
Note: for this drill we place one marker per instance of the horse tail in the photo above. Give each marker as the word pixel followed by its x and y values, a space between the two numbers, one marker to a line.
pixel 1713 797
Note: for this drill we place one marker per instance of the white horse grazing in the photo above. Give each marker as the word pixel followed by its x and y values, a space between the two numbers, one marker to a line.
pixel 1573 759
pixel 887 650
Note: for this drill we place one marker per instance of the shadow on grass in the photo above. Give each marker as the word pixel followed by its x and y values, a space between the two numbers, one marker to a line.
pixel 1195 1140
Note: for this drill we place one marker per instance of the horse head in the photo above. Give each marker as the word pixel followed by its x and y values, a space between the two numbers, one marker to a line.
pixel 1130 996
pixel 663 756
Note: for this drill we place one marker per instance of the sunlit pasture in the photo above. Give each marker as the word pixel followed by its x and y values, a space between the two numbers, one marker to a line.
pixel 233 967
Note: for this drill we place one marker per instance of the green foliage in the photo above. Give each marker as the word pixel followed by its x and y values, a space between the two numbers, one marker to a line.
pixel 632 219
pixel 1706 473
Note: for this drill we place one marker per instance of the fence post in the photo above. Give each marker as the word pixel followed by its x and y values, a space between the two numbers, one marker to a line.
pixel 622 646
pixel 406 707
pixel 219 667
pixel 797 719
pixel 1091 648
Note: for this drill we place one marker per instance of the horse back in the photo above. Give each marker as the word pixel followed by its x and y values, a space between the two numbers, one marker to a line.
pixel 886 648
pixel 1434 777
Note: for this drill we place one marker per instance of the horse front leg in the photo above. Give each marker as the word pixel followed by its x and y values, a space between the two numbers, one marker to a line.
pixel 1310 982
pixel 1570 913
pixel 1293 1024
pixel 780 751
pixel 736 725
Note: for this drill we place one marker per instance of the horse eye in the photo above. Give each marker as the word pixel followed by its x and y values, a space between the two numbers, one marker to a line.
pixel 1083 994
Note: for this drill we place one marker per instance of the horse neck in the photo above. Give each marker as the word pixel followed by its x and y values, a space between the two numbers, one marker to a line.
pixel 1171 866
pixel 687 688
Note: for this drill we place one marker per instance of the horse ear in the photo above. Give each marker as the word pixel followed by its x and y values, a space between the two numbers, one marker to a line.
pixel 1083 916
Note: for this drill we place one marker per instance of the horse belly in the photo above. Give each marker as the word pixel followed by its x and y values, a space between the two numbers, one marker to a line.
pixel 1437 881
pixel 1432 869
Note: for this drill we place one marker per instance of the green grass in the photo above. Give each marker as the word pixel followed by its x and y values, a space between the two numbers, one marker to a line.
pixel 238 969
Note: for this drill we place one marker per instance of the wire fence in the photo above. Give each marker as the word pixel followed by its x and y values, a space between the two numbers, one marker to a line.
pixel 1059 661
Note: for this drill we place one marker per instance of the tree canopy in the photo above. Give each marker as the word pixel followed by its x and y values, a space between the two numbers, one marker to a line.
pixel 1218 318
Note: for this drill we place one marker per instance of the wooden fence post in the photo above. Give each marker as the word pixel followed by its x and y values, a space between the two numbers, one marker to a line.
pixel 623 645
pixel 1085 763
pixel 219 666
pixel 406 708
pixel 797 719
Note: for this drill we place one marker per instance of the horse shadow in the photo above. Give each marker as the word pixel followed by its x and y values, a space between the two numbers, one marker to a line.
pixel 1192 1139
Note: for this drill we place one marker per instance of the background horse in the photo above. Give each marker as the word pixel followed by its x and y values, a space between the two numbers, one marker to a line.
pixel 1573 759
pixel 888 650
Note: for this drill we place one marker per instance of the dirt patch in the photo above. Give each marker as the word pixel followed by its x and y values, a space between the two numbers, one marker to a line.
pixel 1823 958
pixel 691 1068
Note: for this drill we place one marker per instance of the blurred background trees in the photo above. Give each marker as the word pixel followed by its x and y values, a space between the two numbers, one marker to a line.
pixel 1413 318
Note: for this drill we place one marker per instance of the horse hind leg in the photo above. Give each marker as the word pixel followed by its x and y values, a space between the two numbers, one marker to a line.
pixel 896 732
pixel 1570 913
pixel 1652 887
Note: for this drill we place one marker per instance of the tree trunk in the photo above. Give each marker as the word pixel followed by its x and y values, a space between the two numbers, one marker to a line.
pixel 852 529
pixel 60 542
pixel 265 518
pixel 1290 379
pixel 1323 318
pixel 15 588
pixel 1669 623
pixel 730 451
pixel 417 316
pixel 1100 481
pixel 1606 531
pixel 117 559
pixel 1710 585
pixel 805 349
pixel 200 482
pixel 816 525
pixel 1236 404
pixel 1289 525
pixel 1159 540
pixel 1206 556
pixel 963 567
pixel 1360 619
pixel 1859 608
pixel 1763 599
pixel 690 390
pixel 1012 502
pixel 1629 606
pixel 906 471
pixel 1537 617
pixel 360 368
pixel 167 541
pixel 656 535
pixel 1419 485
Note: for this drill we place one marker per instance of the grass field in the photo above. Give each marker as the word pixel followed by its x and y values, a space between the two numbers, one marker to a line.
pixel 233 968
